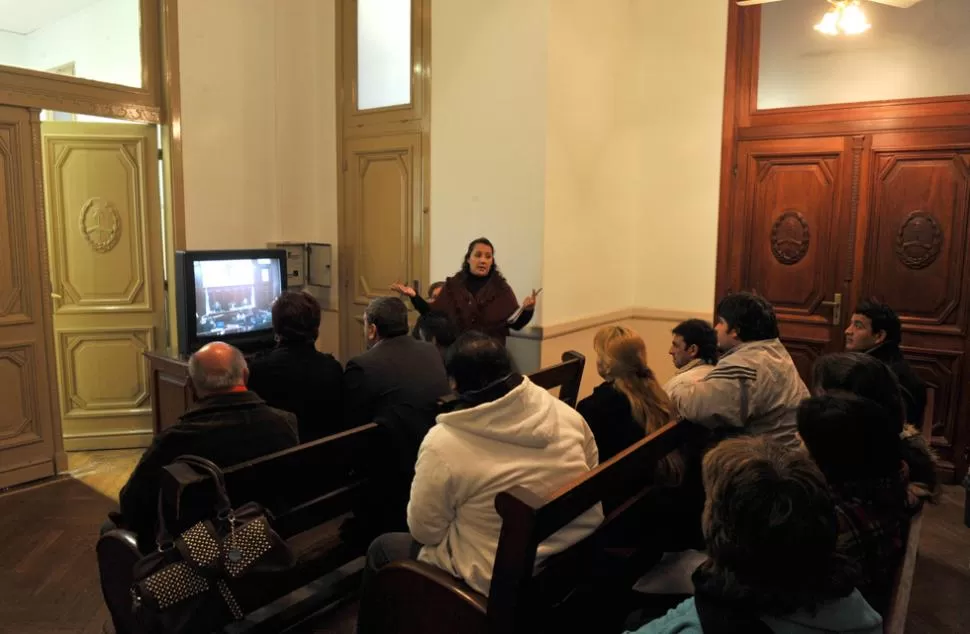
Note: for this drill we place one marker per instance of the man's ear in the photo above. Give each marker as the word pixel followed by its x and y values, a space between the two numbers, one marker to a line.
pixel 693 350
pixel 246 376
pixel 879 337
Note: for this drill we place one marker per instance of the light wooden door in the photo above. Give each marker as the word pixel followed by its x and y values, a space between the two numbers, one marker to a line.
pixel 104 232
pixel 384 225
pixel 29 438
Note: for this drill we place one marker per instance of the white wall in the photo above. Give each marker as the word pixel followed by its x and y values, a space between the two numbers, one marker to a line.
pixel 681 57
pixel 13 49
pixel 102 40
pixel 593 163
pixel 229 118
pixel 488 134
pixel 901 57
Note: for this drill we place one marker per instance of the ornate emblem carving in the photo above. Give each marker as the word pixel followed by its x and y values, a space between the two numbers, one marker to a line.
pixel 100 224
pixel 790 237
pixel 919 240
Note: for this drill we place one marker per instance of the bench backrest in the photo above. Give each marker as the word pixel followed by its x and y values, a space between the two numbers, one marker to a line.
pixel 567 376
pixel 895 618
pixel 528 519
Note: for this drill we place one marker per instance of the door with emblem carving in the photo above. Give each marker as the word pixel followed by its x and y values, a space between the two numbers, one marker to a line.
pixel 104 232
pixel 785 239
pixel 30 443
pixel 913 237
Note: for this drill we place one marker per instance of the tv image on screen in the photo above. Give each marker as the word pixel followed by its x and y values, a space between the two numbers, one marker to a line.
pixel 228 296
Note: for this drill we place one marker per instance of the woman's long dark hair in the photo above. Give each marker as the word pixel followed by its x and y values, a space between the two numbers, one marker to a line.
pixel 468 253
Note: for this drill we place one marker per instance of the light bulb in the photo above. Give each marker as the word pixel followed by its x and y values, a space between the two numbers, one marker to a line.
pixel 853 21
pixel 829 25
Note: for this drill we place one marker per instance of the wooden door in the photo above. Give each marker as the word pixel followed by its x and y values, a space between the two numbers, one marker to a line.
pixel 785 236
pixel 384 229
pixel 29 430
pixel 106 271
pixel 914 244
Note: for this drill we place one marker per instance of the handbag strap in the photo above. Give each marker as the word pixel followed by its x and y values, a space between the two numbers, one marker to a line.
pixel 223 506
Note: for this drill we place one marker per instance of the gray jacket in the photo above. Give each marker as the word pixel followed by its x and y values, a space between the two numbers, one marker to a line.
pixel 754 387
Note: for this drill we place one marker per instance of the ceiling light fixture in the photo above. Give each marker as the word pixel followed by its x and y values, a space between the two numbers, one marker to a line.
pixel 846 17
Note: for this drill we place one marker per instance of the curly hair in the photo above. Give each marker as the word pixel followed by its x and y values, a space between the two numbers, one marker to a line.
pixel 770 526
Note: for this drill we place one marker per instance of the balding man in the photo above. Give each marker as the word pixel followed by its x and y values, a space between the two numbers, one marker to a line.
pixel 229 425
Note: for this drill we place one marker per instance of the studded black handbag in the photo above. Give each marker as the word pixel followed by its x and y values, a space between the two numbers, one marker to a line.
pixel 204 579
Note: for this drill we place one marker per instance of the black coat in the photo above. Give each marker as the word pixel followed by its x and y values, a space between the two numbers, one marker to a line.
pixel 396 379
pixel 914 390
pixel 298 379
pixel 608 414
pixel 225 428
pixel 396 384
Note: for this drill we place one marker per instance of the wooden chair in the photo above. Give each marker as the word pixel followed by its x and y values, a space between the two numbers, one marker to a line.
pixel 567 376
pixel 521 598
pixel 895 618
pixel 309 488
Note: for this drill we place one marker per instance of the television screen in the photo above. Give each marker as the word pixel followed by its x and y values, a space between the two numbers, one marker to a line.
pixel 235 296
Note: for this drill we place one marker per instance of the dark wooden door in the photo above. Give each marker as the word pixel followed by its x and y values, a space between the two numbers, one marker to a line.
pixel 913 237
pixel 786 239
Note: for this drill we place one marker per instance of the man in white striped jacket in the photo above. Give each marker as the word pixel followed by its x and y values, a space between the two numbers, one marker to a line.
pixel 755 388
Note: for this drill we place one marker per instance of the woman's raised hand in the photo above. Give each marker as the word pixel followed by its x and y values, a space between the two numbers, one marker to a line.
pixel 404 290
pixel 529 303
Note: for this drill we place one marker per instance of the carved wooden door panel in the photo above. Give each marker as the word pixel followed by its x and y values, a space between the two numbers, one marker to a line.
pixel 29 434
pixel 384 225
pixel 106 272
pixel 914 238
pixel 785 239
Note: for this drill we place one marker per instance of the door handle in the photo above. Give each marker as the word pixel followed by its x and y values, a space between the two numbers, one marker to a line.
pixel 56 296
pixel 836 305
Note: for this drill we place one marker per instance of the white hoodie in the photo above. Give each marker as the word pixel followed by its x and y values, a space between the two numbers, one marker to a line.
pixel 526 438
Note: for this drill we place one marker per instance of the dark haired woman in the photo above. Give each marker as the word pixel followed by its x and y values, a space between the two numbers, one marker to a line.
pixel 479 298
pixel 294 376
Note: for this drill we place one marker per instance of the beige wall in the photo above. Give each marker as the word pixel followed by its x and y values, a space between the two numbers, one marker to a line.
pixel 488 130
pixel 593 166
pixel 259 128
pixel 681 72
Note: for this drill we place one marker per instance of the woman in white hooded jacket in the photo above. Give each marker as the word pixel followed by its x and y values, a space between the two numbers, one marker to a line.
pixel 506 432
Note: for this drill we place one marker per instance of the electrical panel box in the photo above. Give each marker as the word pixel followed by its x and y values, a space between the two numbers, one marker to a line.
pixel 307 263
pixel 319 262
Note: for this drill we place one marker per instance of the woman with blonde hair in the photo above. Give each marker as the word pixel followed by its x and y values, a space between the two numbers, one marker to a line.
pixel 630 403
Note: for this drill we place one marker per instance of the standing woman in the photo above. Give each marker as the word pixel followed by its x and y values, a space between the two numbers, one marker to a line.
pixel 479 298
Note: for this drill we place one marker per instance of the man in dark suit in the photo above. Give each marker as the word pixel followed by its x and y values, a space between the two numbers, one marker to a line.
pixel 228 426
pixel 876 330
pixel 397 384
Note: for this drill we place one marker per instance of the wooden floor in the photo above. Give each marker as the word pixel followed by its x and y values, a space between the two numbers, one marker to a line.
pixel 49 579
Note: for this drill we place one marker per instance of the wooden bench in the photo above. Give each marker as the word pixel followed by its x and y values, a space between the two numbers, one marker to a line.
pixel 561 592
pixel 567 376
pixel 895 618
pixel 309 488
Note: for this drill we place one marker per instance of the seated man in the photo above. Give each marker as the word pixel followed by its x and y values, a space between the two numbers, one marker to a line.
pixel 505 432
pixel 868 377
pixel 229 425
pixel 876 330
pixel 294 376
pixel 694 351
pixel 754 388
pixel 855 443
pixel 437 328
pixel 770 528
pixel 397 383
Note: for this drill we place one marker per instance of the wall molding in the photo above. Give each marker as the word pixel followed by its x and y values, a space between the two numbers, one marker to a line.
pixel 639 313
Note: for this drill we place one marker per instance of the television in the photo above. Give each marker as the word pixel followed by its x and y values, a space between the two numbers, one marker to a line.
pixel 227 296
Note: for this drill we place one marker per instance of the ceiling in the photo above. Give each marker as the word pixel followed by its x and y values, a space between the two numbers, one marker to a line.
pixel 25 16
